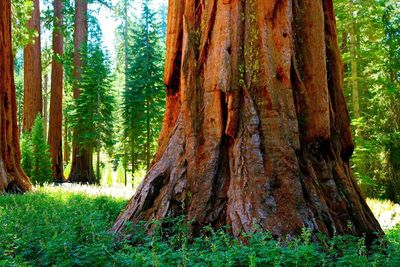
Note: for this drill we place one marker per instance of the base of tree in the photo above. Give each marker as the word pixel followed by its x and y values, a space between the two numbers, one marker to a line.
pixel 13 182
pixel 12 177
pixel 82 167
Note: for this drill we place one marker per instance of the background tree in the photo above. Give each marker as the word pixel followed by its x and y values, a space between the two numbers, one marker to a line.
pixel 12 177
pixel 56 116
pixel 93 116
pixel 22 35
pixel 123 14
pixel 82 159
pixel 41 163
pixel 143 96
pixel 33 73
pixel 376 126
pixel 256 133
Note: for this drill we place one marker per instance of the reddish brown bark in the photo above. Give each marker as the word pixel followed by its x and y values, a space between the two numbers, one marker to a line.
pixel 256 132
pixel 12 177
pixel 55 124
pixel 82 159
pixel 32 73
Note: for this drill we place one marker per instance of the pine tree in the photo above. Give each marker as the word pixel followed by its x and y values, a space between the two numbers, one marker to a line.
pixel 35 154
pixel 41 171
pixel 26 153
pixel 144 94
pixel 94 107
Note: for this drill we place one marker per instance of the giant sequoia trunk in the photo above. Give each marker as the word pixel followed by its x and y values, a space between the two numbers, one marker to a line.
pixel 12 177
pixel 55 125
pixel 82 159
pixel 32 73
pixel 256 132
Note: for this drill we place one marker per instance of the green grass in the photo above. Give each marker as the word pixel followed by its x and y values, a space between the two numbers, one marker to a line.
pixel 70 227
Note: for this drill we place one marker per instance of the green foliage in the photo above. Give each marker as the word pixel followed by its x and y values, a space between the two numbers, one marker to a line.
pixel 377 132
pixel 41 171
pixel 21 12
pixel 56 227
pixel 120 173
pixel 144 97
pixel 93 114
pixel 35 155
pixel 26 153
pixel 67 169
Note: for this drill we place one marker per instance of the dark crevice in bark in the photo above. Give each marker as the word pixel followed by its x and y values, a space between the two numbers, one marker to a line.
pixel 155 188
pixel 13 188
pixel 174 85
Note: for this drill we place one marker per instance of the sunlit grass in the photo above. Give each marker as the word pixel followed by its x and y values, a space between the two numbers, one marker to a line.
pixel 118 191
pixel 387 212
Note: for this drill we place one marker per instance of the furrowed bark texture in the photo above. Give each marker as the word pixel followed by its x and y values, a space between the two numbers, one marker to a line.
pixel 256 132
pixel 12 177
pixel 55 124
pixel 82 159
pixel 32 74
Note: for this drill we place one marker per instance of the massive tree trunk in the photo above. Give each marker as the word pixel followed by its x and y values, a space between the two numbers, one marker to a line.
pixel 12 177
pixel 82 159
pixel 256 132
pixel 55 124
pixel 32 73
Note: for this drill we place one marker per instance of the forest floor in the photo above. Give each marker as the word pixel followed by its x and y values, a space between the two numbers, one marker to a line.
pixel 69 226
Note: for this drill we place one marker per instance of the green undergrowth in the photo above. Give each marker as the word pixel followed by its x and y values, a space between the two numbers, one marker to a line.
pixel 55 227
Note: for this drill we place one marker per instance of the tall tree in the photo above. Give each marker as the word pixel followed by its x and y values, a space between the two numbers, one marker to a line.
pixel 376 128
pixel 12 177
pixel 256 133
pixel 82 159
pixel 56 117
pixel 94 107
pixel 32 73
pixel 144 95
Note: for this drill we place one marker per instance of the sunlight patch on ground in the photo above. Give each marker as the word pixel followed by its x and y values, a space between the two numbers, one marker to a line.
pixel 119 192
pixel 387 212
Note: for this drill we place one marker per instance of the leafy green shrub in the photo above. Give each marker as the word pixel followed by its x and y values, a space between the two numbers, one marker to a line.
pixel 26 153
pixel 35 154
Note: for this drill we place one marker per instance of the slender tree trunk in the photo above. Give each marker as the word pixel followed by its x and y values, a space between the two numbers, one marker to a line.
pixel 126 37
pixel 82 158
pixel 126 18
pixel 148 135
pixel 133 156
pixel 66 150
pixel 98 163
pixel 256 132
pixel 56 114
pixel 354 63
pixel 45 101
pixel 32 73
pixel 125 174
pixel 12 177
